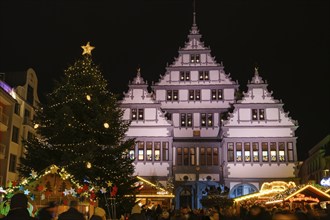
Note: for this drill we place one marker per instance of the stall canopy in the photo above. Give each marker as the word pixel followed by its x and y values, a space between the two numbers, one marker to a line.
pixel 302 193
pixel 267 191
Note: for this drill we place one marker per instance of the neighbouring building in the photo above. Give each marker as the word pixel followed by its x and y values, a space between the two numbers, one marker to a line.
pixel 317 165
pixel 208 151
pixel 19 99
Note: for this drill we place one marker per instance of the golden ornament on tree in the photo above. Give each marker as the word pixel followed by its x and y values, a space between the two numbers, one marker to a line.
pixel 87 49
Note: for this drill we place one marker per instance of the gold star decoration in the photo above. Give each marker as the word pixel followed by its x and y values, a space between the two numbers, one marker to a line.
pixel 54 169
pixel 87 49
pixel 109 183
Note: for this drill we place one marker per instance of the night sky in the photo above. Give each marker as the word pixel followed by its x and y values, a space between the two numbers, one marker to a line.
pixel 288 40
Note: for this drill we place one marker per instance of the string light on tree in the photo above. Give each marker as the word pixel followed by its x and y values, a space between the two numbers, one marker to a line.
pixel 106 125
pixel 88 165
pixel 88 97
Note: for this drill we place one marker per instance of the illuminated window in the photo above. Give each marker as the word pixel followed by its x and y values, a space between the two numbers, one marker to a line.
pixel 206 120
pixel 175 95
pixel 215 156
pixel 290 151
pixel 165 151
pixel 186 156
pixel 254 114
pixel 184 76
pixel 247 153
pixel 230 152
pixel 194 58
pixel 140 150
pixel 132 152
pixel 208 156
pixel 261 114
pixel 192 156
pixel 264 147
pixel 255 147
pixel 194 94
pixel 258 114
pixel 157 151
pixel 203 75
pixel 179 156
pixel 172 95
pixel 186 120
pixel 137 114
pixel 141 114
pixel 273 152
pixel 216 94
pixel 238 152
pixel 149 150
pixel 202 156
pixel 281 151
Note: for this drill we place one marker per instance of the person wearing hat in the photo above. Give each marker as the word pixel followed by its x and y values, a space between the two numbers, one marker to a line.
pixel 99 214
pixel 72 213
pixel 18 208
pixel 48 212
pixel 136 213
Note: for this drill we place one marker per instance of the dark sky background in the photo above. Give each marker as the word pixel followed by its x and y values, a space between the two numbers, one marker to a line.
pixel 287 39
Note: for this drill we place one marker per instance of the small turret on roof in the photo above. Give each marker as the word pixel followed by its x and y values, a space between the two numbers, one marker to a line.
pixel 138 79
pixel 256 79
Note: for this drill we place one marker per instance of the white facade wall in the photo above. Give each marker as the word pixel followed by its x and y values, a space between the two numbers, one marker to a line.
pixel 266 170
pixel 154 169
pixel 254 131
pixel 150 131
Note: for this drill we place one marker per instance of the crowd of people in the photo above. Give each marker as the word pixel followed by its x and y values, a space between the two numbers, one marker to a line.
pixel 253 212
pixel 19 211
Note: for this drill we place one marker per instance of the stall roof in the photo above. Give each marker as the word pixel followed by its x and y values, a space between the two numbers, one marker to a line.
pixel 301 193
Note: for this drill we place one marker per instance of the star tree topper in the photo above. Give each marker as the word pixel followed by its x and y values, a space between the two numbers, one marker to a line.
pixel 87 49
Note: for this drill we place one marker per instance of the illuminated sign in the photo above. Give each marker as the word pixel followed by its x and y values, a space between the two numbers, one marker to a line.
pixel 325 181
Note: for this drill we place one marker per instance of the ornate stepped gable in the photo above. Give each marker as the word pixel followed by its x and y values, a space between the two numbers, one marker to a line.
pixel 195 57
pixel 258 97
pixel 138 96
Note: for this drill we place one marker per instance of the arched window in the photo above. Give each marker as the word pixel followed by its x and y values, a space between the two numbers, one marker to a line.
pixel 242 189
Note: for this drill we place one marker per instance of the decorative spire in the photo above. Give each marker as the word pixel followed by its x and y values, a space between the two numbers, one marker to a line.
pixel 87 49
pixel 256 79
pixel 138 74
pixel 256 73
pixel 194 30
pixel 194 15
pixel 138 79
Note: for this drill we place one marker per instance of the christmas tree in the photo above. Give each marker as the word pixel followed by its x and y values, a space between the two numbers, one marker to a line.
pixel 80 128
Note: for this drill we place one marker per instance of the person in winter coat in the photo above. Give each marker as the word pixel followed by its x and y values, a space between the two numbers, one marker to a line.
pixel 18 208
pixel 48 212
pixel 72 213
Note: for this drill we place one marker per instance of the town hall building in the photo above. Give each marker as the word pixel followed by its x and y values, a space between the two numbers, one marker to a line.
pixel 192 128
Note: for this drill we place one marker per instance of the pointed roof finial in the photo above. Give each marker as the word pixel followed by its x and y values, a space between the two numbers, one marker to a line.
pixel 256 73
pixel 138 74
pixel 194 14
